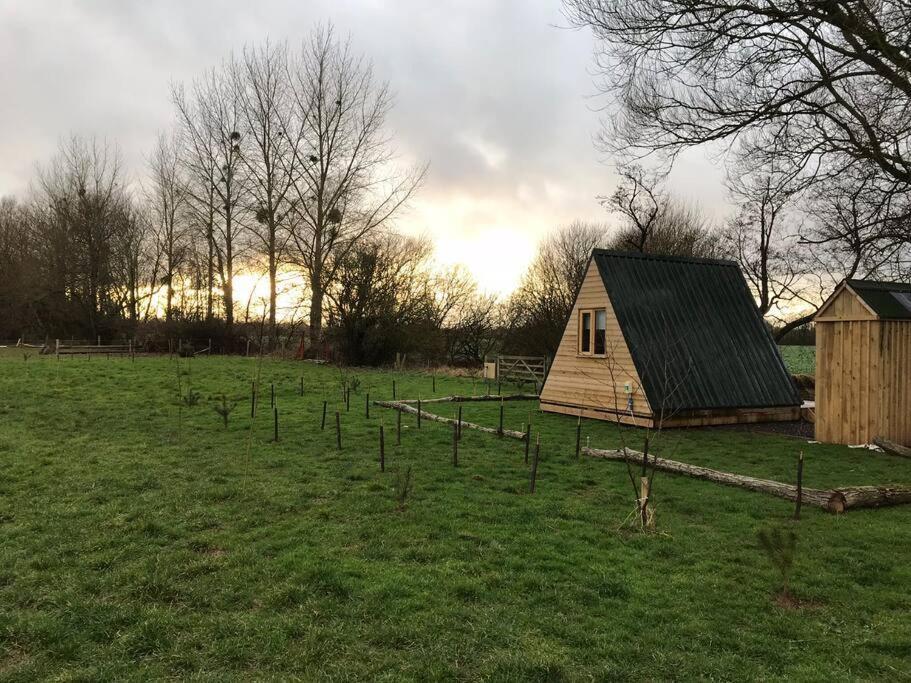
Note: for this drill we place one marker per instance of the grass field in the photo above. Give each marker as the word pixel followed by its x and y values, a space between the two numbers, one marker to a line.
pixel 132 548
pixel 801 360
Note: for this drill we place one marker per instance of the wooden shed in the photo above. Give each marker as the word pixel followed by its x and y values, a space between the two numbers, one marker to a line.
pixel 665 339
pixel 863 363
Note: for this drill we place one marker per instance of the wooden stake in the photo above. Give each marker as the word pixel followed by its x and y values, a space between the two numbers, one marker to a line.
pixel 272 391
pixel 419 413
pixel 398 428
pixel 393 390
pixel 322 425
pixel 433 388
pixel 338 430
pixel 799 501
pixel 500 428
pixel 347 399
pixel 275 413
pixel 579 437
pixel 527 440
pixel 382 451
pixel 459 427
pixel 455 446
pixel 534 465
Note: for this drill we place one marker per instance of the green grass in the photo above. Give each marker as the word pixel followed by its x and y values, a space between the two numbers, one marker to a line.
pixel 801 360
pixel 129 551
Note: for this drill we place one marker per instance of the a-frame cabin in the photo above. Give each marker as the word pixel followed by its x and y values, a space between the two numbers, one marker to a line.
pixel 667 340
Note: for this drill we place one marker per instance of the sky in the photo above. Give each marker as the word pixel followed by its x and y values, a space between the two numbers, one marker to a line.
pixel 498 96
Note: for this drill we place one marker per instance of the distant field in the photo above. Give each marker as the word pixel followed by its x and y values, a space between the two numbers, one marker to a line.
pixel 139 540
pixel 801 360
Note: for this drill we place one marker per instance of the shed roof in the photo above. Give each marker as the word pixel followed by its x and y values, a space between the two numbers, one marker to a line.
pixel 694 332
pixel 888 300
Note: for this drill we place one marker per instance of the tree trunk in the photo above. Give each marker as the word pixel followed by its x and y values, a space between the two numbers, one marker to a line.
pixel 273 272
pixel 892 448
pixel 794 324
pixel 835 500
pixel 396 405
pixel 316 311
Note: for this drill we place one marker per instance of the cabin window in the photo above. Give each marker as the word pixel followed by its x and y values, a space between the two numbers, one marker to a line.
pixel 586 336
pixel 593 332
pixel 600 332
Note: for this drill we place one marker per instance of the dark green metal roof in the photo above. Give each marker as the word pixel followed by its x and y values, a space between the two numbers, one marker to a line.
pixel 694 333
pixel 889 300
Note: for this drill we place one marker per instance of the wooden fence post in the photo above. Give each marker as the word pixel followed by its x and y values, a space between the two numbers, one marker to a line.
pixel 382 451
pixel 338 430
pixel 272 391
pixel 460 422
pixel 534 466
pixel 799 486
pixel 455 446
pixel 393 390
pixel 347 399
pixel 322 425
pixel 433 388
pixel 579 437
pixel 527 438
pixel 275 413
pixel 500 427
pixel 419 413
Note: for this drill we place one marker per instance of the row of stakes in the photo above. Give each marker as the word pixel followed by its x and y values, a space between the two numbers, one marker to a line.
pixel 456 432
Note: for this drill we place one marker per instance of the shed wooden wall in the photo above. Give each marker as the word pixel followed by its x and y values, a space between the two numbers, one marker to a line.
pixel 586 385
pixel 863 375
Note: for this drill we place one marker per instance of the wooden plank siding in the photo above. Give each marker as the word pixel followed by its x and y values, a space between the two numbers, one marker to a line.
pixel 863 377
pixel 594 386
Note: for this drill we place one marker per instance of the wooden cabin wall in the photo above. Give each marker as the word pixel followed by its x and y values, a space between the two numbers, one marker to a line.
pixel 863 381
pixel 583 384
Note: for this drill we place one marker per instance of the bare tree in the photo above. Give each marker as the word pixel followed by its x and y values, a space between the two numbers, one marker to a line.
pixel 540 306
pixel 830 79
pixel 260 77
pixel 83 207
pixel 167 200
pixel 763 238
pixel 211 121
pixel 346 186
pixel 654 222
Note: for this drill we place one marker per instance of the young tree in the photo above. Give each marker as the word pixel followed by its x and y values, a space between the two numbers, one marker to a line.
pixel 345 186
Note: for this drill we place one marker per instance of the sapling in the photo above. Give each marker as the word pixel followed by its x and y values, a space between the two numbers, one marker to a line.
pixel 224 408
pixel 402 487
pixel 780 547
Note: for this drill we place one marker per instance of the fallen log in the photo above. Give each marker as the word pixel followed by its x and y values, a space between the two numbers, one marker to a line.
pixel 405 408
pixel 892 448
pixel 465 399
pixel 834 500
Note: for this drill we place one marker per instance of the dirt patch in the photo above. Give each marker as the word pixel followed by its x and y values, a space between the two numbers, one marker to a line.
pixel 789 601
